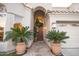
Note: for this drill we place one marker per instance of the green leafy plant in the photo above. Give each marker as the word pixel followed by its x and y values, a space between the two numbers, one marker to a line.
pixel 18 35
pixel 38 23
pixel 56 36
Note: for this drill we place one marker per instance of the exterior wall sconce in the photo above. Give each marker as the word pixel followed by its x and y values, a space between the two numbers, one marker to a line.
pixel 53 25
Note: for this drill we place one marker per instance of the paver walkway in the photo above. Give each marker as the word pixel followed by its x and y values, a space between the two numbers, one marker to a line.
pixel 39 49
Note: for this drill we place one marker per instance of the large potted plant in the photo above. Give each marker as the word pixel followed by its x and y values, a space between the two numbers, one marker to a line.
pixel 56 37
pixel 20 37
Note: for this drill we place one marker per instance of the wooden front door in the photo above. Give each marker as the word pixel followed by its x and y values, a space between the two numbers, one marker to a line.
pixel 40 34
pixel 39 17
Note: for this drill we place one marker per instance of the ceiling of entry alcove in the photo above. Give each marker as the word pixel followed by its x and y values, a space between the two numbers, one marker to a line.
pixel 39 13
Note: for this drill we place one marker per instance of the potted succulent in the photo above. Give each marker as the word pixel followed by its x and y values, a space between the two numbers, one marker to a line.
pixel 56 37
pixel 20 37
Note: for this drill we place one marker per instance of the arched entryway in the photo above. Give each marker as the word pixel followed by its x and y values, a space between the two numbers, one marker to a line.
pixel 39 25
pixel 39 22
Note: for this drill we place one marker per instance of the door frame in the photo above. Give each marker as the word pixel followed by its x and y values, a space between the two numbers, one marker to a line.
pixel 33 11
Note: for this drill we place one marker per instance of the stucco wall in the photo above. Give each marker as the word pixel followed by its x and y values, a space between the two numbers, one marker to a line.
pixel 72 31
pixel 20 10
pixel 47 6
pixel 74 6
pixel 66 17
pixel 26 13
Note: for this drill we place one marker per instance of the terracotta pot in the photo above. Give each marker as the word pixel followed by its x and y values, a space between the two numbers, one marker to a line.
pixel 20 48
pixel 56 48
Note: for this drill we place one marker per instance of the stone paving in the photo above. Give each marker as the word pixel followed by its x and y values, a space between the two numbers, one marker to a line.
pixel 70 51
pixel 39 49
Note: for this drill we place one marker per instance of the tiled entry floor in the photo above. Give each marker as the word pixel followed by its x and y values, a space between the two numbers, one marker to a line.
pixel 39 49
